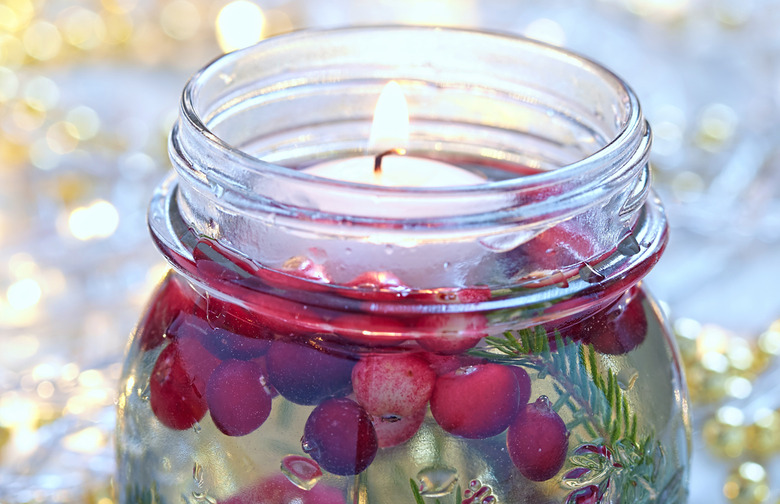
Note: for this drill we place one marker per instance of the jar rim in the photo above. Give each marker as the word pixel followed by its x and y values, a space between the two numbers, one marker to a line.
pixel 626 150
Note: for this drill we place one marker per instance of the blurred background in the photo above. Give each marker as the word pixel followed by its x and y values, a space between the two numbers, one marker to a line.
pixel 89 90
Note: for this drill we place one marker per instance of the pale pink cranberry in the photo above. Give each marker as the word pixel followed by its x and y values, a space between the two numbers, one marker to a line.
pixel 477 401
pixel 392 430
pixel 392 384
pixel 538 441
pixel 237 398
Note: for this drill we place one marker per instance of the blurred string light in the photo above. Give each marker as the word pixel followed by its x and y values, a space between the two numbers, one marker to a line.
pixel 239 24
pixel 98 220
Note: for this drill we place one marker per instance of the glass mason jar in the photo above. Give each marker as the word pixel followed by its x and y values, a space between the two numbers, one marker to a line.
pixel 322 342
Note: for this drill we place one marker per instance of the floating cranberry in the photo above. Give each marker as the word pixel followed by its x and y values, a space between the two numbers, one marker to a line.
pixel 392 430
pixel 476 402
pixel 453 295
pixel 237 319
pixel 229 345
pixel 339 435
pixel 279 490
pixel 537 441
pixel 443 364
pixel 450 333
pixel 177 385
pixel 376 286
pixel 237 398
pixel 216 262
pixel 171 298
pixel 620 328
pixel 307 375
pixel 392 384
pixel 370 330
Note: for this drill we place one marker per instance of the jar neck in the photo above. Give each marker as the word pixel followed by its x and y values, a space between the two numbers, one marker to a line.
pixel 561 142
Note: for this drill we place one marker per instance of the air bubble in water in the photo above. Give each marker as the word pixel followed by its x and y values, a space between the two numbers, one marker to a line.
pixel 197 474
pixel 302 472
pixel 437 481
pixel 626 378
pixel 478 493
pixel 389 249
pixel 197 428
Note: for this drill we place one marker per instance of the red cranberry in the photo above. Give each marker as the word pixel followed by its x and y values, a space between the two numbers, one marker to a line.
pixel 376 286
pixel 370 330
pixel 297 273
pixel 392 384
pixel 305 374
pixel 279 490
pixel 237 319
pixel 171 298
pixel 454 295
pixel 537 441
pixel 588 495
pixel 237 398
pixel 620 328
pixel 558 249
pixel 177 385
pixel 392 430
pixel 216 262
pixel 525 384
pixel 340 437
pixel 220 342
pixel 450 333
pixel 443 364
pixel 476 402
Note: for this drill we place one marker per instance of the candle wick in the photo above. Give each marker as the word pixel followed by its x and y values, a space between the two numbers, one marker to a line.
pixel 378 158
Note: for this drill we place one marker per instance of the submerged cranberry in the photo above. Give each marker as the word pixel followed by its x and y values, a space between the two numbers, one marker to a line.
pixel 588 495
pixel 216 262
pixel 476 402
pixel 537 441
pixel 620 328
pixel 237 398
pixel 524 382
pixel 279 489
pixel 450 333
pixel 392 430
pixel 392 384
pixel 237 319
pixel 340 437
pixel 171 298
pixel 307 375
pixel 177 385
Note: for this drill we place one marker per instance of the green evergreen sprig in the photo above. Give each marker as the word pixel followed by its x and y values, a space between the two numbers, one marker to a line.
pixel 596 401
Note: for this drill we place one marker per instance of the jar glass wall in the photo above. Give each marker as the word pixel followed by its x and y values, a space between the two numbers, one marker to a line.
pixel 328 341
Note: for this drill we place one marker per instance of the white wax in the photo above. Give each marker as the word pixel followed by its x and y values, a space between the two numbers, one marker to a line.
pixel 397 171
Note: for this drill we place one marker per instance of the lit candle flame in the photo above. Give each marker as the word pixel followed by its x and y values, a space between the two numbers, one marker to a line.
pixel 390 129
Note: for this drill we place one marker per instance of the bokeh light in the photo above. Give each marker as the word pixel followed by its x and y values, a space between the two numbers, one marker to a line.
pixel 239 24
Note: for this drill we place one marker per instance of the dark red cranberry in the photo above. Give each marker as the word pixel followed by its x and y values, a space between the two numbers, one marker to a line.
pixel 443 364
pixel 476 401
pixel 171 298
pixel 392 384
pixel 237 398
pixel 177 385
pixel 620 328
pixel 538 441
pixel 307 375
pixel 222 343
pixel 340 437
pixel 278 489
pixel 524 382
pixel 450 333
